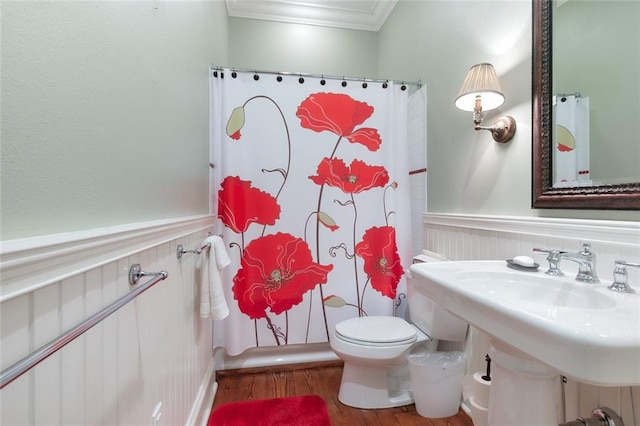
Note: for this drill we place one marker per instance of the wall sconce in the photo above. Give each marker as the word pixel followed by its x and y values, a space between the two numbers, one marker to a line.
pixel 481 90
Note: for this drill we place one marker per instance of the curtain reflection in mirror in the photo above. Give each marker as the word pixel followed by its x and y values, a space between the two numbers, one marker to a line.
pixel 571 140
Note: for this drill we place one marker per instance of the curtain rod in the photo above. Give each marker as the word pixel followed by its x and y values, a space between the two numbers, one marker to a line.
pixel 418 83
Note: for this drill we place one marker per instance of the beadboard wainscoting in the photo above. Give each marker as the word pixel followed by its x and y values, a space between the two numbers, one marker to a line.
pixel 466 237
pixel 152 355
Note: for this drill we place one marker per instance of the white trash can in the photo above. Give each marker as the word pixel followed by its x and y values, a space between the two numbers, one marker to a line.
pixel 436 380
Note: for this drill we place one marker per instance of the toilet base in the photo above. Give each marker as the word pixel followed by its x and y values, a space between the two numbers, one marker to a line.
pixel 375 387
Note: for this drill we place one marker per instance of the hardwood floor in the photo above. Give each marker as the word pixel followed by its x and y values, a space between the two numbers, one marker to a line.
pixel 322 379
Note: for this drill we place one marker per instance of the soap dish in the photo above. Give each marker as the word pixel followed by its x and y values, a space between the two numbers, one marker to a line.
pixel 513 265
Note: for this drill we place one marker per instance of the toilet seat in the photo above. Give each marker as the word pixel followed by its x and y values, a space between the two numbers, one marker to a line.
pixel 376 331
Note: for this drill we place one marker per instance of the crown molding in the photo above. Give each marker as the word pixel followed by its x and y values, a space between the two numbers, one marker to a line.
pixel 355 15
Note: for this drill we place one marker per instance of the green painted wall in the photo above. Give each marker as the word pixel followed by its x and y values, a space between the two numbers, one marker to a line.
pixel 105 112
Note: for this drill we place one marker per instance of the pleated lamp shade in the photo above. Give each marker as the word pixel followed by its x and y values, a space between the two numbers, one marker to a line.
pixel 482 82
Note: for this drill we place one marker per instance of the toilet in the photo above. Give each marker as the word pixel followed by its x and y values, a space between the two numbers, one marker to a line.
pixel 375 351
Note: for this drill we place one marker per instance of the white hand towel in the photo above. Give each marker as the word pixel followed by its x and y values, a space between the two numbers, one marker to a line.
pixel 214 258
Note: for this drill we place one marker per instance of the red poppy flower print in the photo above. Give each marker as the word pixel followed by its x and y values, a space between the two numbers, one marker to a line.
pixel 381 260
pixel 340 114
pixel 366 136
pixel 358 177
pixel 275 272
pixel 240 205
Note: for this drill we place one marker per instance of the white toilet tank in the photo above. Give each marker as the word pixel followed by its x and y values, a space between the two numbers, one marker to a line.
pixel 436 322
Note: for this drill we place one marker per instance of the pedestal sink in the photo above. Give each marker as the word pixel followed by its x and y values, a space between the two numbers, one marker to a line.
pixel 540 327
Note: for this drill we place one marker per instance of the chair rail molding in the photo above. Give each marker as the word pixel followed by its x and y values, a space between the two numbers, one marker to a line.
pixel 32 263
pixel 618 232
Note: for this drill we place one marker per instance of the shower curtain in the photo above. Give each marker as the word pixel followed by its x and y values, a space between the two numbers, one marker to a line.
pixel 309 181
pixel 571 147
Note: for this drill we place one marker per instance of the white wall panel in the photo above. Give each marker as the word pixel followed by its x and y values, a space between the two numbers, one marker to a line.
pixel 46 325
pixel 94 357
pixel 154 349
pixel 14 326
pixel 73 356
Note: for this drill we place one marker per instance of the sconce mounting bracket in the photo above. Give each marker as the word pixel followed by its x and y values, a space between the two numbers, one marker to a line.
pixel 502 130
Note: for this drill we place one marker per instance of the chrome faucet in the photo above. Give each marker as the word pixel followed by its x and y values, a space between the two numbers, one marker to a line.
pixel 586 260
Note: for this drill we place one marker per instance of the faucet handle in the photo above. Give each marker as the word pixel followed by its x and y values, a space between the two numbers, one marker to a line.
pixel 621 277
pixel 553 257
pixel 548 251
pixel 586 249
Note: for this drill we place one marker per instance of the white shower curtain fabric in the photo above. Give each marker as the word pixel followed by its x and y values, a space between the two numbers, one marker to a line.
pixel 310 183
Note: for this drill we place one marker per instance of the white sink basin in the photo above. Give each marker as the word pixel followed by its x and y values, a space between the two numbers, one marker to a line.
pixel 583 331
pixel 509 285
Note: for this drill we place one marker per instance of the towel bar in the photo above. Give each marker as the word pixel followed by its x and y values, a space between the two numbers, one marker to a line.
pixel 27 363
pixel 180 250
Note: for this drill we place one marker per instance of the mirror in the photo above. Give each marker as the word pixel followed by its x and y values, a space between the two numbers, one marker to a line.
pixel 612 193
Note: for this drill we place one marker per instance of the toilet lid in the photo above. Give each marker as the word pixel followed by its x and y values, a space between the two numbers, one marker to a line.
pixel 376 330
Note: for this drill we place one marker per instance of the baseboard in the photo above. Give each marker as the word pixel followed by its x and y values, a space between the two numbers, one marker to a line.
pixel 274 356
pixel 201 408
pixel 281 367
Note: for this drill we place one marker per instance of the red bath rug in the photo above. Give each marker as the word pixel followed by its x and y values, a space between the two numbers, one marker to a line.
pixel 305 410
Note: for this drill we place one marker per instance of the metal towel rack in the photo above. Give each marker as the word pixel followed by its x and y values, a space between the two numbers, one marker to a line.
pixel 180 250
pixel 27 363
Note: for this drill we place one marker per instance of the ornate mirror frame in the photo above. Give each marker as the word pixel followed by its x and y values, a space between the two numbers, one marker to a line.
pixel 605 197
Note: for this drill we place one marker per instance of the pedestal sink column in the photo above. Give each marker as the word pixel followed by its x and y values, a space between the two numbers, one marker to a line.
pixel 523 391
